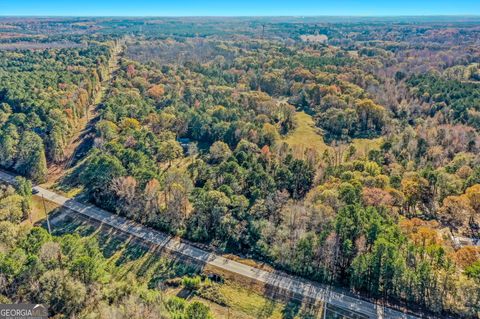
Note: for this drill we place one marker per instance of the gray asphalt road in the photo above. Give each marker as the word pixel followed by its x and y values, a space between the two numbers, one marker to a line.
pixel 299 287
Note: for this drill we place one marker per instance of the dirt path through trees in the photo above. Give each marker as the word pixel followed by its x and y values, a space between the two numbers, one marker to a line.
pixel 82 139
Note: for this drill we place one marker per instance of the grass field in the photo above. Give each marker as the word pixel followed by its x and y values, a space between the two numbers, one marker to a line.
pixel 254 305
pixel 38 210
pixel 364 145
pixel 305 136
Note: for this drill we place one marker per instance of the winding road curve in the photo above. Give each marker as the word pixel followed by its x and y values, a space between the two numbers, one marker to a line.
pixel 298 287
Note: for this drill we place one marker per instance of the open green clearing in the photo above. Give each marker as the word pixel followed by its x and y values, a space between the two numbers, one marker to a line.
pixel 306 135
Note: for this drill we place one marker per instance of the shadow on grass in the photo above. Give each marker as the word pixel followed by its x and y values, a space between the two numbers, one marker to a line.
pixel 67 225
pixel 110 244
pixel 131 253
pixel 295 306
pixel 291 310
pixel 169 268
pixel 147 261
pixel 185 293
pixel 70 180
pixel 267 309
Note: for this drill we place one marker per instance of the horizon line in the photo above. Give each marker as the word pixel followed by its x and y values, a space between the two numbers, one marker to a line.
pixel 477 15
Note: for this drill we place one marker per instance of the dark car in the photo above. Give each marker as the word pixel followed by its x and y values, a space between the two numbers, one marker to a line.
pixel 34 191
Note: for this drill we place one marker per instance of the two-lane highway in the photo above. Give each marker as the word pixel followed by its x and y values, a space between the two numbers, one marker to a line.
pixel 284 283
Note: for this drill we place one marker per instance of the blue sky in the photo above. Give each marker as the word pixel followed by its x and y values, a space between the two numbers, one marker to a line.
pixel 238 7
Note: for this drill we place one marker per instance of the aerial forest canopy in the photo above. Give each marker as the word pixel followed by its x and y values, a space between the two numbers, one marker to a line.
pixel 347 152
pixel 42 96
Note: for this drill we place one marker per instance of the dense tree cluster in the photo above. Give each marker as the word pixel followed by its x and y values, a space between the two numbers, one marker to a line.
pixel 456 100
pixel 192 139
pixel 42 96
pixel 196 149
pixel 70 274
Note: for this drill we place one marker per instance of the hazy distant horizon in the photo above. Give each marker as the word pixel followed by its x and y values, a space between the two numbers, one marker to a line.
pixel 244 16
pixel 246 8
